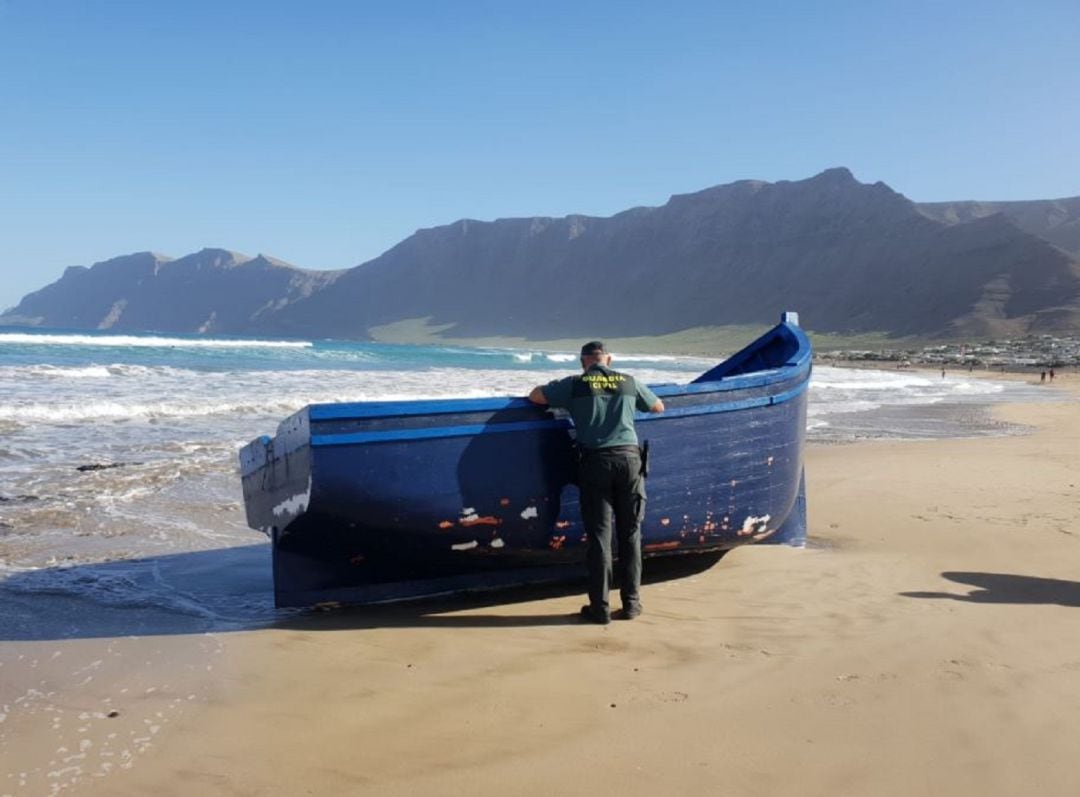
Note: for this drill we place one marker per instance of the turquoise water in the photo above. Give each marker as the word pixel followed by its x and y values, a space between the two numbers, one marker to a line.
pixel 75 348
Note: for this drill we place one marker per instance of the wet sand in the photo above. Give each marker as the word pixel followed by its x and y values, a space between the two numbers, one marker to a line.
pixel 926 642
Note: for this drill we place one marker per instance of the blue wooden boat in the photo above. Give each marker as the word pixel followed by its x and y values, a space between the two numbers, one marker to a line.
pixel 387 500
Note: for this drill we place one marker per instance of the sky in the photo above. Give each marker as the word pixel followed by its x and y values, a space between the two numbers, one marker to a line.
pixel 324 132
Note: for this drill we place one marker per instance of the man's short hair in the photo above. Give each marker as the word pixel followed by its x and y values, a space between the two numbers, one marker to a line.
pixel 593 347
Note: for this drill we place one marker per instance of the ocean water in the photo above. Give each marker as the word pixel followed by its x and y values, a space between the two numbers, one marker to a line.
pixel 118 472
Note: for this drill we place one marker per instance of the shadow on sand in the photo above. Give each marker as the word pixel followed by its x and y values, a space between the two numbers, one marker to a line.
pixel 444 612
pixel 1008 588
pixel 230 589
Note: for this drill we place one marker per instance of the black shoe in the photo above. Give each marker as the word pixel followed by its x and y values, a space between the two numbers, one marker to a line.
pixel 589 615
pixel 630 612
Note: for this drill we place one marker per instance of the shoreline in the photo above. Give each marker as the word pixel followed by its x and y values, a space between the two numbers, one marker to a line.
pixel 923 642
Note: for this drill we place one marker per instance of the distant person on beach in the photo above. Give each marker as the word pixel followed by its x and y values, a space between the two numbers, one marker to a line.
pixel 1042 377
pixel 942 373
pixel 1051 374
pixel 611 474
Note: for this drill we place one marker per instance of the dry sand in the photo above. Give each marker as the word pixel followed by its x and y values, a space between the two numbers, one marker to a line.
pixel 926 643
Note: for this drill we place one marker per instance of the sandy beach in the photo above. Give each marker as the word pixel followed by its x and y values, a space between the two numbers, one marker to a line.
pixel 926 642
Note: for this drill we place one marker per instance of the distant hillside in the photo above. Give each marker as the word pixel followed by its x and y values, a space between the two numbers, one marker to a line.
pixel 212 291
pixel 852 258
pixel 1055 220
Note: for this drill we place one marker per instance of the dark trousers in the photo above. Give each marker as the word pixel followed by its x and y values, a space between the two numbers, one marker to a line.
pixel 611 485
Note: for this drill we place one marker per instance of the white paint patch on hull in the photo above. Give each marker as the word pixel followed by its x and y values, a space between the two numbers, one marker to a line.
pixel 754 524
pixel 295 505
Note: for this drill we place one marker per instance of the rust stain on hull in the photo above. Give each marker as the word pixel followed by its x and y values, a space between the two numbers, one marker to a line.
pixel 487 520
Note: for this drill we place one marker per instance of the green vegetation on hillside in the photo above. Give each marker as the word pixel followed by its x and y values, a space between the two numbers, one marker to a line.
pixel 704 341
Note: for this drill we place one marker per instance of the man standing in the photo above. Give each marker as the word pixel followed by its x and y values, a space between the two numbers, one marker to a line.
pixel 601 403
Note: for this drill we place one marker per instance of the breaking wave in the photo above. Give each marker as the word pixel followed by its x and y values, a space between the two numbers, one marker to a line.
pixel 141 341
pixel 46 371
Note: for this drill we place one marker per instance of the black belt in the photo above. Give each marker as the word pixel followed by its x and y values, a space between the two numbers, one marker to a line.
pixel 612 450
pixel 641 451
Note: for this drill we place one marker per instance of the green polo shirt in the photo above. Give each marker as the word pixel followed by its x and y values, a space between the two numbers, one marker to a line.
pixel 601 403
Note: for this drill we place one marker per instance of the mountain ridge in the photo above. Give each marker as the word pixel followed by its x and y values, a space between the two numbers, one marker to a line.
pixel 1055 220
pixel 852 257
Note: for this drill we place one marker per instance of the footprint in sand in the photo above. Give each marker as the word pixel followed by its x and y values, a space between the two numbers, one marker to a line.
pixel 605 646
pixel 666 696
pixel 836 701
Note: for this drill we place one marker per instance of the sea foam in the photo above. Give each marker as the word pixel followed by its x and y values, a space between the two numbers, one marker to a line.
pixel 140 341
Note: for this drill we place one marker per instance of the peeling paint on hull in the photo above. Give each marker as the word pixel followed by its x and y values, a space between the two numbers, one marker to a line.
pixel 293 505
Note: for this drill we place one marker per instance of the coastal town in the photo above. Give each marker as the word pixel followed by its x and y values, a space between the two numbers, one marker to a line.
pixel 1029 353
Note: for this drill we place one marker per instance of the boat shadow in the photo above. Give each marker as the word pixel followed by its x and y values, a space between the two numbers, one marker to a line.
pixel 230 589
pixel 1008 588
pixel 464 611
pixel 519 480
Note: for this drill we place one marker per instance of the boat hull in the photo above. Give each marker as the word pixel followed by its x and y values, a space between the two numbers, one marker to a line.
pixel 385 501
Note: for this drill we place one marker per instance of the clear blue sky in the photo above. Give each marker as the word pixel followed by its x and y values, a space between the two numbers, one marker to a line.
pixel 325 132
